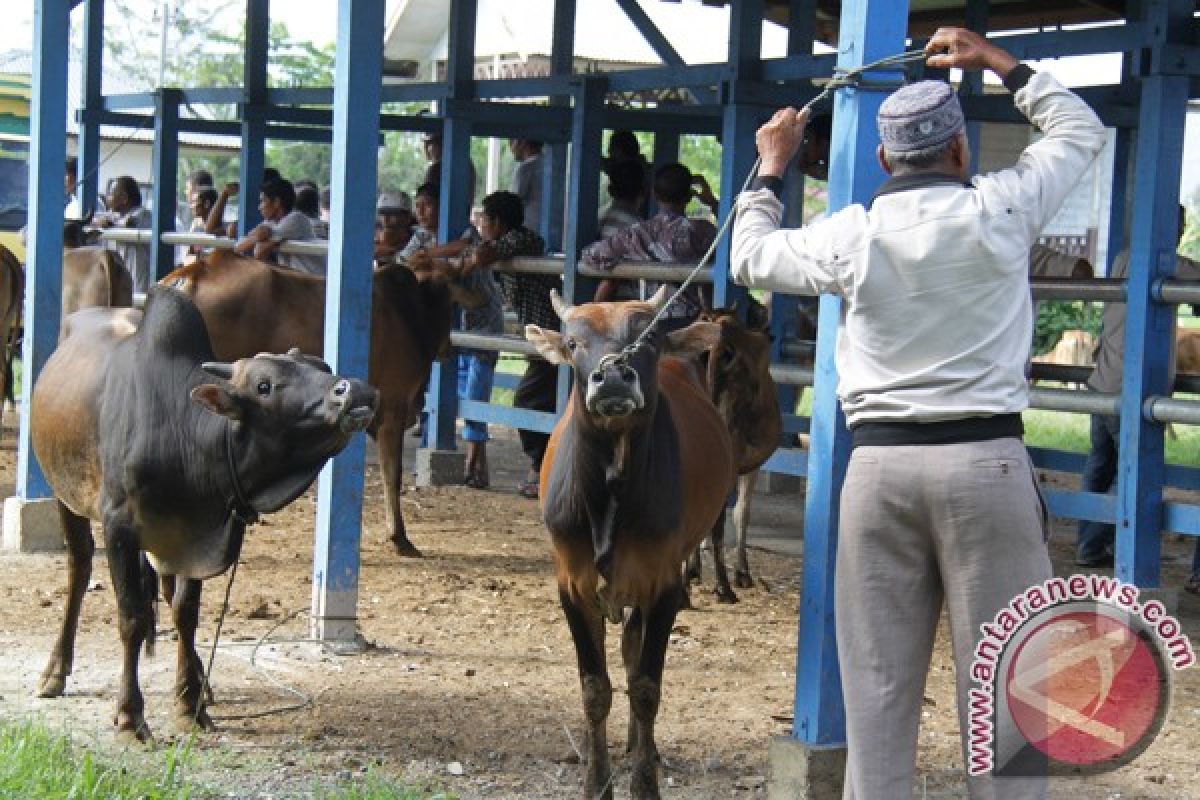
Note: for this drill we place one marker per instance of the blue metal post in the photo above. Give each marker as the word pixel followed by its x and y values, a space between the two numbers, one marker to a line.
pixel 455 207
pixel 972 82
pixel 870 29
pixel 554 171
pixel 43 272
pixel 1153 240
pixel 89 129
pixel 357 89
pixel 740 121
pixel 254 114
pixel 166 168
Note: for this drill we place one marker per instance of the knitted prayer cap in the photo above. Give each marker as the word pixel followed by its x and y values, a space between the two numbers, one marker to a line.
pixel 919 116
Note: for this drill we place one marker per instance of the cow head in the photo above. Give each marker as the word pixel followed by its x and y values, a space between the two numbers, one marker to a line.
pixel 288 415
pixel 742 356
pixel 616 388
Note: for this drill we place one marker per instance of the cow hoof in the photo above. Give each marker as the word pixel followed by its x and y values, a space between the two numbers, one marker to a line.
pixel 52 686
pixel 131 734
pixel 742 580
pixel 185 722
pixel 725 595
pixel 406 548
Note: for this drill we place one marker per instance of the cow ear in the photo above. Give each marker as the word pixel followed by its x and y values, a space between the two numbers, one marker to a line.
pixel 217 400
pixel 697 338
pixel 548 343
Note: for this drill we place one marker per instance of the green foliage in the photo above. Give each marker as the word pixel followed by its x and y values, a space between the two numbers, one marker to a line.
pixel 1056 316
pixel 35 763
pixel 379 787
pixel 1189 245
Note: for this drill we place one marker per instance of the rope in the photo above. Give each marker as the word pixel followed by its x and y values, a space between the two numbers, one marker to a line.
pixel 206 689
pixel 842 78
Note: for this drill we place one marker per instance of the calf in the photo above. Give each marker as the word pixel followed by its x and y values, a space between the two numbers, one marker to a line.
pixel 136 427
pixel 636 472
pixel 738 375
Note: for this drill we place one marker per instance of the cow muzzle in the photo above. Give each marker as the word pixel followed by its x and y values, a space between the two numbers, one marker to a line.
pixel 354 402
pixel 614 391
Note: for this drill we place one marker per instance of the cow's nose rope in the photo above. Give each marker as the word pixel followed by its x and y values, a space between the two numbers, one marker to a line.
pixel 841 79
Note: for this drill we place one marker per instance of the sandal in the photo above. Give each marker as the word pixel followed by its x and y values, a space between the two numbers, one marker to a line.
pixel 528 489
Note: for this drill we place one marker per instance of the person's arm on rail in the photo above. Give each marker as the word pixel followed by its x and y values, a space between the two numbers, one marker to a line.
pixel 215 224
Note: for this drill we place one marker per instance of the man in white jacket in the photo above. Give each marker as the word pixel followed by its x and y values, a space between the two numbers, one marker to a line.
pixel 940 503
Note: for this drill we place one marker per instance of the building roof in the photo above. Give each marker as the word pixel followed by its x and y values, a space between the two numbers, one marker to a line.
pixel 603 33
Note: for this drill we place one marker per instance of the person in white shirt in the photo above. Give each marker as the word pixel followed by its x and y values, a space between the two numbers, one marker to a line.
pixel 282 223
pixel 125 211
pixel 940 503
pixel 527 178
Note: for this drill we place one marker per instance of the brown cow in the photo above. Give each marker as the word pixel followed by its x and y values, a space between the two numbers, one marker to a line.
pixel 12 293
pixel 252 307
pixel 637 470
pixel 94 277
pixel 1187 351
pixel 738 373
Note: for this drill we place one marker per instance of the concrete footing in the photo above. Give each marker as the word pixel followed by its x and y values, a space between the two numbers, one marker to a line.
pixel 440 467
pixel 796 771
pixel 32 526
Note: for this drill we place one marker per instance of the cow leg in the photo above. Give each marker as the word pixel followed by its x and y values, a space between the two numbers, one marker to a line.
pixel 741 523
pixel 693 568
pixel 631 654
pixel 645 690
pixel 190 699
pixel 125 566
pixel 167 587
pixel 80 549
pixel 390 440
pixel 717 538
pixel 587 632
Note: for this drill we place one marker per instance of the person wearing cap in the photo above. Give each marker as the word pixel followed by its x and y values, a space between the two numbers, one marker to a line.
pixel 940 504
pixel 393 225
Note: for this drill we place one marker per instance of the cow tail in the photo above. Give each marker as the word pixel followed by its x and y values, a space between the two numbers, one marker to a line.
pixel 150 593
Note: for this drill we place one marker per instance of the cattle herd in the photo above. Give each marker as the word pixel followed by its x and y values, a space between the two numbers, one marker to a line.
pixel 226 357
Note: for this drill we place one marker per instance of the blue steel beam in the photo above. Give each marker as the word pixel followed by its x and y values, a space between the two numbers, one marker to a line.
pixel 1153 239
pixel 89 132
pixel 972 82
pixel 659 43
pixel 739 124
pixel 166 167
pixel 802 27
pixel 454 208
pixel 254 124
pixel 870 29
pixel 554 170
pixel 43 273
pixel 348 306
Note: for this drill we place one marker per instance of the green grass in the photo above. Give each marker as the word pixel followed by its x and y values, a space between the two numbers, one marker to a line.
pixel 35 763
pixel 38 764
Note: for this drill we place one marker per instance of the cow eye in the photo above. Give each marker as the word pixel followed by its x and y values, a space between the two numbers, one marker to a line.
pixel 572 344
pixel 264 388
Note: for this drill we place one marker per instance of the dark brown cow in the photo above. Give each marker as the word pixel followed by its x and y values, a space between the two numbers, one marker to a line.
pixel 94 277
pixel 635 473
pixel 12 293
pixel 738 374
pixel 252 307
pixel 138 428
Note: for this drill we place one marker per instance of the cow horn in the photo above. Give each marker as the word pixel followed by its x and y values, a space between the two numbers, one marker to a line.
pixel 660 297
pixel 218 369
pixel 561 307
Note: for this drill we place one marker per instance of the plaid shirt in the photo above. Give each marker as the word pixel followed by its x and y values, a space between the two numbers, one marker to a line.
pixel 529 295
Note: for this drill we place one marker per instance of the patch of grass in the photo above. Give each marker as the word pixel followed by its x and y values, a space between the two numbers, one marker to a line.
pixel 379 787
pixel 36 763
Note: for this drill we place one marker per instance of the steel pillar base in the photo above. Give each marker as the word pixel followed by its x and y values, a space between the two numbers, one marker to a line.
pixel 797 771
pixel 440 467
pixel 32 526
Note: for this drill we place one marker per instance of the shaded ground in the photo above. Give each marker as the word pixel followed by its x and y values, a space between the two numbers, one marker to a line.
pixel 472 664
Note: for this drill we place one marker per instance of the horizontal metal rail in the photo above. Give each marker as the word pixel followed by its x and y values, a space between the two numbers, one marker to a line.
pixel 1069 373
pixel 1107 290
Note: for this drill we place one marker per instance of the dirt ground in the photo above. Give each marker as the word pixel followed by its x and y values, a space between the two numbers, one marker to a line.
pixel 470 684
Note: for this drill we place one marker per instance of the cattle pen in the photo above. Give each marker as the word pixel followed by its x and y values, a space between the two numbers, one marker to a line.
pixel 1159 41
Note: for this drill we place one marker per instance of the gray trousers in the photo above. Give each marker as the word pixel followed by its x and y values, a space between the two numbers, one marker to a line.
pixel 922 525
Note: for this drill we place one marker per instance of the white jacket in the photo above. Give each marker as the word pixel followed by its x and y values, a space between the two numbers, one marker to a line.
pixel 937 317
